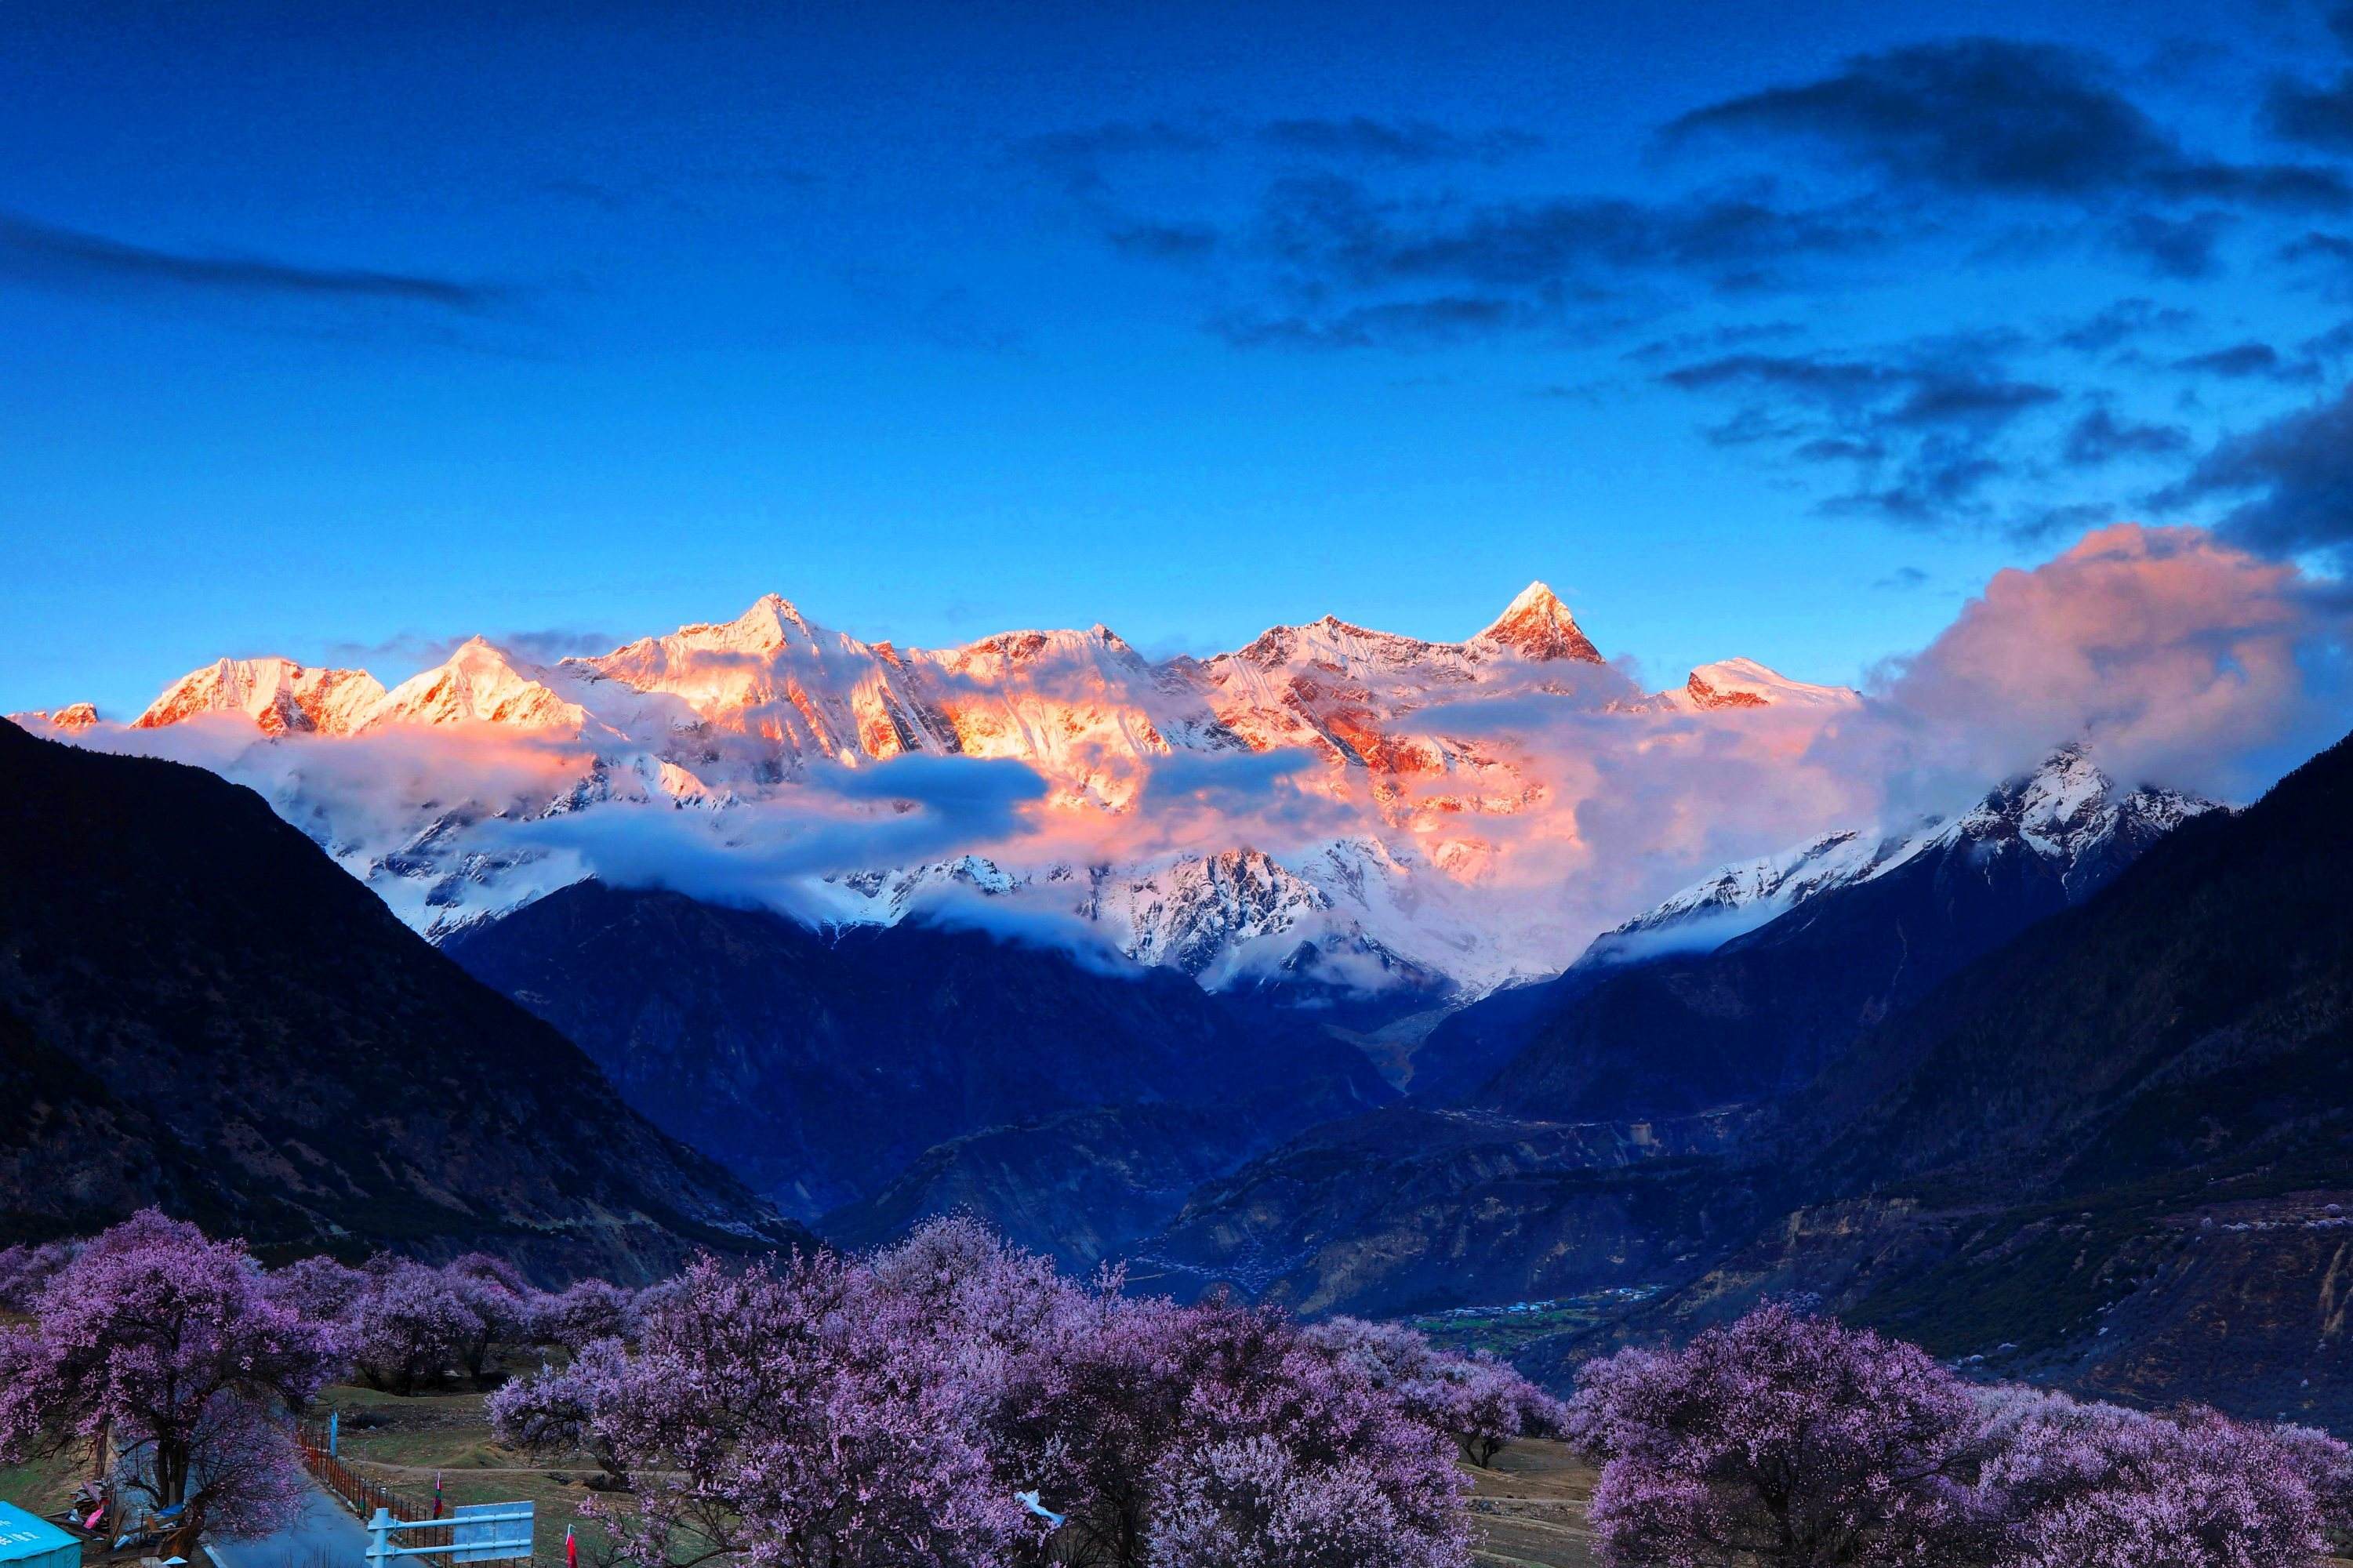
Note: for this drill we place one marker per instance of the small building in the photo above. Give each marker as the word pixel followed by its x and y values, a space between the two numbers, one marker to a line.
pixel 28 1541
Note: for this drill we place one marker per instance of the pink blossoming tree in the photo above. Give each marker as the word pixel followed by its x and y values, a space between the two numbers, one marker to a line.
pixel 2326 1466
pixel 410 1327
pixel 1783 1439
pixel 495 1298
pixel 795 1427
pixel 163 1346
pixel 27 1270
pixel 1793 1440
pixel 2093 1485
pixel 1182 1436
pixel 584 1311
pixel 1289 1457
pixel 557 1412
pixel 888 1411
pixel 317 1287
pixel 1484 1403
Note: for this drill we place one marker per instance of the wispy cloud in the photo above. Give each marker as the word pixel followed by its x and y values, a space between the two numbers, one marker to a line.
pixel 2319 116
pixel 2239 362
pixel 2101 436
pixel 1366 138
pixel 1080 159
pixel 2185 247
pixel 2124 321
pixel 2290 482
pixel 421 649
pixel 2003 118
pixel 36 252
pixel 1347 265
pixel 1920 427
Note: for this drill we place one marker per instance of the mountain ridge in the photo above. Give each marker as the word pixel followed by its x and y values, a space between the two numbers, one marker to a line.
pixel 1683 970
pixel 1585 1124
pixel 2114 1156
pixel 725 716
pixel 269 1047
pixel 818 1065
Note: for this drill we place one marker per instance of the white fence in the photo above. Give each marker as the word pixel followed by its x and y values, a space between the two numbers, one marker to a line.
pixel 479 1532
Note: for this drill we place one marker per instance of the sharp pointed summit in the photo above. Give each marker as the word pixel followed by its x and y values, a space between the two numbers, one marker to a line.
pixel 479 683
pixel 768 624
pixel 1538 626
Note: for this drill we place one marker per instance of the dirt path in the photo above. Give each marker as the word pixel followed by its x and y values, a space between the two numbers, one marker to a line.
pixel 430 1471
pixel 324 1535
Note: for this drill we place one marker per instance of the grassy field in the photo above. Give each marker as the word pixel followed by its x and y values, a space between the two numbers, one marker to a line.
pixel 1528 1511
pixel 404 1442
pixel 1506 1329
pixel 44 1486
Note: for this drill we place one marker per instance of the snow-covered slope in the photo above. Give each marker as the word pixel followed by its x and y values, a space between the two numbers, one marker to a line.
pixel 280 697
pixel 1328 797
pixel 1745 683
pixel 479 684
pixel 71 719
pixel 2067 811
pixel 1350 694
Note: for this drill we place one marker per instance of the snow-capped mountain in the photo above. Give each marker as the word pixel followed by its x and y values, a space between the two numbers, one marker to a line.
pixel 479 684
pixel 1328 795
pixel 1750 980
pixel 281 697
pixel 1220 917
pixel 1346 914
pixel 1745 683
pixel 2067 811
pixel 71 719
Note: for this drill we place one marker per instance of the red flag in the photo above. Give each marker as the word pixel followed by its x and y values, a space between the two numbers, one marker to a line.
pixel 571 1550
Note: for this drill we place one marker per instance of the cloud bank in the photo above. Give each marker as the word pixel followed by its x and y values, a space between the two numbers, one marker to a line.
pixel 1526 813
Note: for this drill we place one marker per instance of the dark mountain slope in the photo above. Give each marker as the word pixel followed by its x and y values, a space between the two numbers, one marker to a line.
pixel 1758 1016
pixel 819 1065
pixel 1409 1208
pixel 75 1157
pixel 1081 1185
pixel 1629 1071
pixel 1472 1044
pixel 206 1011
pixel 1761 1014
pixel 2117 1153
pixel 2194 1016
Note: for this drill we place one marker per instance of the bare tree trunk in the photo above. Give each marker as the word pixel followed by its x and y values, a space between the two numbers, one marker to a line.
pixel 183 1540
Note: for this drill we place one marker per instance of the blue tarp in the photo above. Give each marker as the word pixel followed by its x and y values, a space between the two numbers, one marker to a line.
pixel 27 1540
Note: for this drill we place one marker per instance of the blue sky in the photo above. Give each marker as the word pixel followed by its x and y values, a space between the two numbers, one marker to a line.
pixel 1755 329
